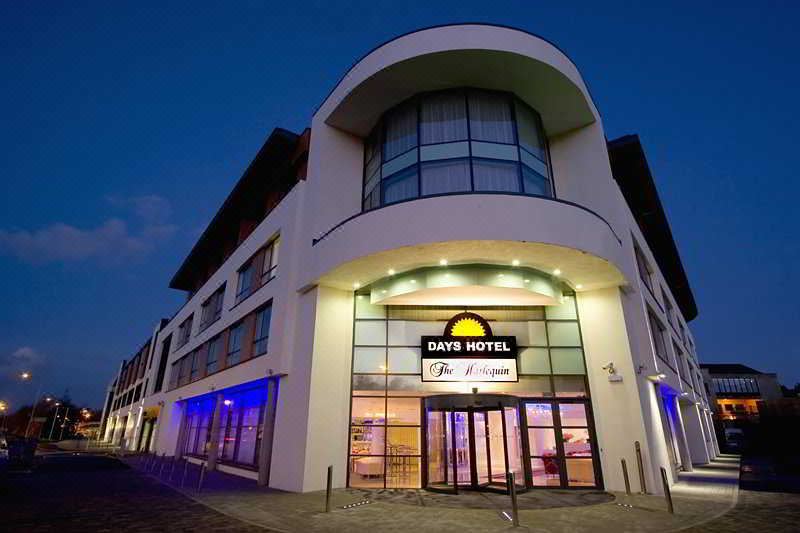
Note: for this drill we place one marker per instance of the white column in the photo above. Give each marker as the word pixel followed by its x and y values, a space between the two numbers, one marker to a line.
pixel 213 447
pixel 695 436
pixel 686 459
pixel 267 432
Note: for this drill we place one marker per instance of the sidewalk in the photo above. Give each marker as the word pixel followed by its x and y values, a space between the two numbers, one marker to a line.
pixel 699 497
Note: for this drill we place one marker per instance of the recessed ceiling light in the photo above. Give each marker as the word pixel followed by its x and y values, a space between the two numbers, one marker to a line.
pixel 356 285
pixel 443 262
pixel 515 262
pixel 557 272
pixel 500 275
pixel 526 280
pixel 383 291
pixel 390 272
pixel 413 281
pixel 579 286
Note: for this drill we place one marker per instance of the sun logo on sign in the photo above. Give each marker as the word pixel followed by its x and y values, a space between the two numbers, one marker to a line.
pixel 467 325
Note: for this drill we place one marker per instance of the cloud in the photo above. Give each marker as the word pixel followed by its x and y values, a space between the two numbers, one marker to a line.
pixel 111 241
pixel 23 358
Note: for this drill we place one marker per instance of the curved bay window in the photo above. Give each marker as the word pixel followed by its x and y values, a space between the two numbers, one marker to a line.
pixel 456 141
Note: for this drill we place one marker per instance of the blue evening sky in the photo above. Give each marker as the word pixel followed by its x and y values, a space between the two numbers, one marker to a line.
pixel 124 127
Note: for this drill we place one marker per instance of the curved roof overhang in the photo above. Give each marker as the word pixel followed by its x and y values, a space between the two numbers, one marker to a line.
pixel 488 57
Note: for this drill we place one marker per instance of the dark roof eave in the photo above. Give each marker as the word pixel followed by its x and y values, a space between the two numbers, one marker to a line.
pixel 632 173
pixel 277 145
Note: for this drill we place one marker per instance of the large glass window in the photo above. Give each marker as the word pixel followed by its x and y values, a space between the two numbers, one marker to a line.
pixel 387 390
pixel 235 344
pixel 456 141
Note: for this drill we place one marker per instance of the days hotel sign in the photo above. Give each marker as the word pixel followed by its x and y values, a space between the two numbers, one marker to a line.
pixel 469 352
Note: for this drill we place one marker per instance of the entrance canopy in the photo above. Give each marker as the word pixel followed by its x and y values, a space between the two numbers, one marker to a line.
pixel 471 284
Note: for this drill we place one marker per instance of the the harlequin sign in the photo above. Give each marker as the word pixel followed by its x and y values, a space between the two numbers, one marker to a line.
pixel 469 352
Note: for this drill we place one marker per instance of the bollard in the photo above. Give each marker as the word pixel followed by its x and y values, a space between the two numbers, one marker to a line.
pixel 171 469
pixel 161 465
pixel 512 491
pixel 328 489
pixel 640 465
pixel 185 466
pixel 667 493
pixel 202 475
pixel 625 477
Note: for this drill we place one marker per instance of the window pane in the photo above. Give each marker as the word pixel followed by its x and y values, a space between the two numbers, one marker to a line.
pixel 546 472
pixel 401 131
pixel 529 129
pixel 445 176
pixel 370 333
pixel 404 360
pixel 443 118
pixel 563 311
pixel 539 414
pixel 403 411
pixel 444 151
pixel 534 361
pixel 495 175
pixel 367 440
pixel 403 472
pixel 490 117
pixel 368 411
pixel 572 414
pixel 401 186
pixel 369 360
pixel 576 442
pixel 366 472
pixel 495 151
pixel 570 386
pixel 542 441
pixel 403 441
pixel 366 385
pixel 563 334
pixel 580 473
pixel 364 309
pixel 399 163
pixel 567 360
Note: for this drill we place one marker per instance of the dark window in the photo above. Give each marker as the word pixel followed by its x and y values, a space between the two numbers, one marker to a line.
pixel 235 344
pixel 184 331
pixel 195 365
pixel 645 272
pixel 270 269
pixel 658 331
pixel 211 309
pixel 262 330
pixel 245 282
pixel 213 355
pixel 162 363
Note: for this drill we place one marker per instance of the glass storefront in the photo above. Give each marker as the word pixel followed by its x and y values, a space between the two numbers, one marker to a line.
pixel 403 436
pixel 241 424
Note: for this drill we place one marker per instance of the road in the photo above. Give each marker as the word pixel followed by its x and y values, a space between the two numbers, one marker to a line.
pixel 95 493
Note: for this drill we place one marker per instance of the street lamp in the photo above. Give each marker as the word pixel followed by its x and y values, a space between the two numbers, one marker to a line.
pixel 3 409
pixel 26 376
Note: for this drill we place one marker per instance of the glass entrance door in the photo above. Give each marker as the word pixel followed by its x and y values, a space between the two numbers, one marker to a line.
pixel 473 447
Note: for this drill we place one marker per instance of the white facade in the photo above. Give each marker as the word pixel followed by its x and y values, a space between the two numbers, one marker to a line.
pixel 585 232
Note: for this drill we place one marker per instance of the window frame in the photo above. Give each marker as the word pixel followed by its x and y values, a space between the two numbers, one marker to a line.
pixel 374 147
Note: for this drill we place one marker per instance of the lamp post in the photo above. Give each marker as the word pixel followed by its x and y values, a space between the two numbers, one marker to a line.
pixel 53 425
pixel 3 409
pixel 26 376
pixel 64 423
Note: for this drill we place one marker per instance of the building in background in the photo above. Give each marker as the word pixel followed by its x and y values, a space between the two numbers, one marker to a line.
pixel 449 276
pixel 735 390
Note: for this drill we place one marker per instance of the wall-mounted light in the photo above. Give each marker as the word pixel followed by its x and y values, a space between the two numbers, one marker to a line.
pixel 390 272
pixel 443 262
pixel 515 262
pixel 356 285
pixel 557 272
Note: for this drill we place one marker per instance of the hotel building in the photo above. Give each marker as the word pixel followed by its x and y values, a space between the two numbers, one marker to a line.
pixel 451 275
